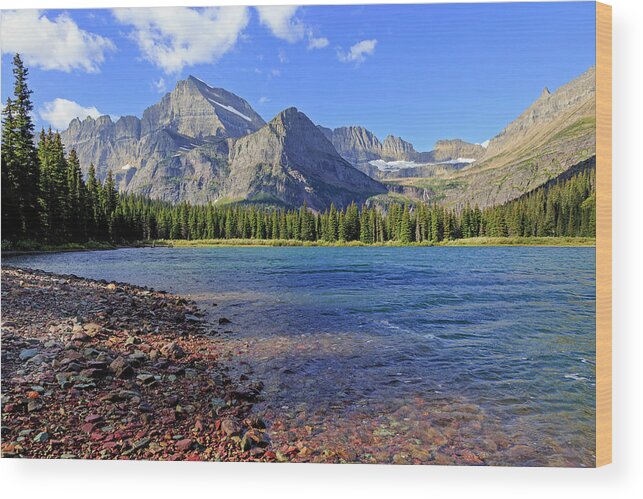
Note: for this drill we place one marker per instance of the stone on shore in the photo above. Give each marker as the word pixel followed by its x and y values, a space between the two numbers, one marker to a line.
pixel 28 353
pixel 131 373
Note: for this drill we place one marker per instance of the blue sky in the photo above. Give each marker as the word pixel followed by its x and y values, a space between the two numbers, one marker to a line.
pixel 422 72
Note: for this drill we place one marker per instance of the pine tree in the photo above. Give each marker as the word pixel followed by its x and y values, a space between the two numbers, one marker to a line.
pixel 54 193
pixel 21 160
pixel 405 226
pixel 77 198
pixel 11 216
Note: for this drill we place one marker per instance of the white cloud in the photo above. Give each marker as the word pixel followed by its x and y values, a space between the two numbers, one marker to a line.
pixel 59 112
pixel 264 100
pixel 282 56
pixel 358 52
pixel 274 73
pixel 52 44
pixel 160 85
pixel 317 43
pixel 174 37
pixel 282 22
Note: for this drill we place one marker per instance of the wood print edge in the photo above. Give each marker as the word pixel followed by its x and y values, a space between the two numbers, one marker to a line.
pixel 603 234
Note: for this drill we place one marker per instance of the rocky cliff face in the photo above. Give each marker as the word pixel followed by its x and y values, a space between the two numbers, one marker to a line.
pixel 364 151
pixel 396 149
pixel 354 143
pixel 203 144
pixel 194 109
pixel 189 116
pixel 449 150
pixel 569 103
pixel 290 159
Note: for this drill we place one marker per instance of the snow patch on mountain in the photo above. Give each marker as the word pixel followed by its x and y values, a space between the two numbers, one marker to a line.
pixel 457 161
pixel 393 166
pixel 199 79
pixel 230 109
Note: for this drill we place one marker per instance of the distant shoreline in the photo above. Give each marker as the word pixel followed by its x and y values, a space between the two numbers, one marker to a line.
pixel 202 243
pixel 476 241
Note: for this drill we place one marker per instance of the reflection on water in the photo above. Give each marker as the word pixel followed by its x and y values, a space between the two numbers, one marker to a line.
pixel 443 355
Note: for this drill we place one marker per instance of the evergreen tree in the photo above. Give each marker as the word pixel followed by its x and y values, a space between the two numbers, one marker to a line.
pixel 21 160
pixel 405 226
pixel 11 215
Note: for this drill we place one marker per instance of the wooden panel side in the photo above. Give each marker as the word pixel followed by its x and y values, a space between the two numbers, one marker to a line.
pixel 603 234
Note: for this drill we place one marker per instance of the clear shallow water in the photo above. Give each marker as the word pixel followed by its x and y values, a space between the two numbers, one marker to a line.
pixel 448 355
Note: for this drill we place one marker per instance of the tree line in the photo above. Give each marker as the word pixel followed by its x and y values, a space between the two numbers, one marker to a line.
pixel 45 197
pixel 564 208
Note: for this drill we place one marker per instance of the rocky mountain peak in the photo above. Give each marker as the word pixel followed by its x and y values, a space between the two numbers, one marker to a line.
pixel 291 159
pixel 288 115
pixel 292 121
pixel 195 109
pixel 548 108
pixel 454 149
pixel 396 149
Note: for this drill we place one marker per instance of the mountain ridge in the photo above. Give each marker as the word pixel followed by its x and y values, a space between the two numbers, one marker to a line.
pixel 205 144
pixel 554 133
pixel 378 159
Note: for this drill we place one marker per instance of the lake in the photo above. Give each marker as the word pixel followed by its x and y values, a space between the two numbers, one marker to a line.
pixel 469 355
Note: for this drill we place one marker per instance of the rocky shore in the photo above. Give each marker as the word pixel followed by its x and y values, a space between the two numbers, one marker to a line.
pixel 98 370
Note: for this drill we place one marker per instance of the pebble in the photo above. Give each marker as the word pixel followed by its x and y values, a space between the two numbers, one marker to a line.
pixel 28 353
pixel 41 437
pixel 173 350
pixel 122 369
pixel 230 427
pixel 217 403
pixel 146 379
pixel 184 445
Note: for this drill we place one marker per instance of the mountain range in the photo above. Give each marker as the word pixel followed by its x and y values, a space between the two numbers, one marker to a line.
pixel 555 133
pixel 203 144
pixel 382 159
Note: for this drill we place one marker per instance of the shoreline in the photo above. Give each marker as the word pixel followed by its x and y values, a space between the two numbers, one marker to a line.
pixel 478 241
pixel 492 242
pixel 98 370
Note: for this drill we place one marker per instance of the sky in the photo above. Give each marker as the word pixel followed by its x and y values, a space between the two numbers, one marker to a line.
pixel 421 72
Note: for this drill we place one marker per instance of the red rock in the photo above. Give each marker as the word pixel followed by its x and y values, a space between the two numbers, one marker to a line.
pixel 97 435
pixel 184 445
pixel 88 427
pixel 166 420
pixel 93 418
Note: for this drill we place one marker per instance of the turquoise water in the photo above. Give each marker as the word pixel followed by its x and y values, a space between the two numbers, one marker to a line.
pixel 380 348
